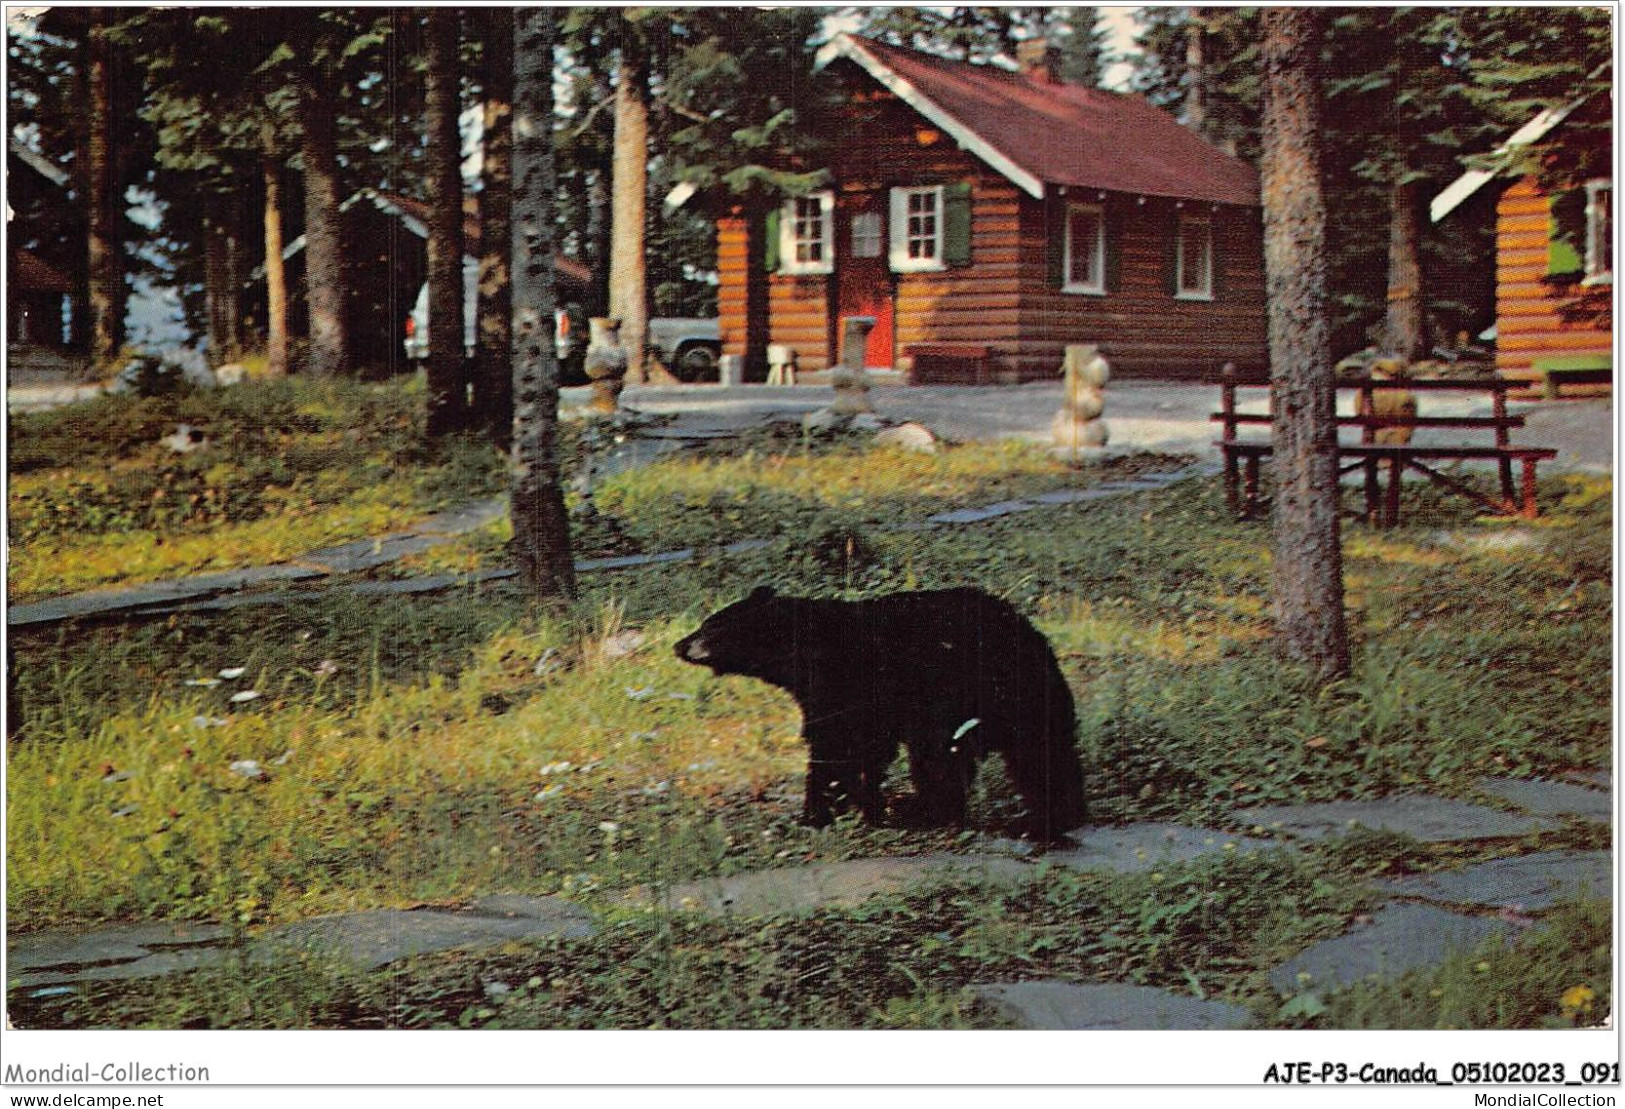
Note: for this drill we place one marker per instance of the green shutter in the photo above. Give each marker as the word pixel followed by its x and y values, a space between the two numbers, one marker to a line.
pixel 1565 243
pixel 956 211
pixel 770 248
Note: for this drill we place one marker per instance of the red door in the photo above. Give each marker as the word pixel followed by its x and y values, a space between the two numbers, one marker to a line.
pixel 863 277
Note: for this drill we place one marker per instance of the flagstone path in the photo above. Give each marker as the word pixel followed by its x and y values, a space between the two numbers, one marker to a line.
pixel 226 589
pixel 1424 918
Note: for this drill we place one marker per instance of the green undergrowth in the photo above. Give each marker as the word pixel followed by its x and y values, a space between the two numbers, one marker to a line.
pixel 1557 975
pixel 287 465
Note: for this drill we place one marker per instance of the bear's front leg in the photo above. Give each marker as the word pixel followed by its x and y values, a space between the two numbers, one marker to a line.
pixel 835 774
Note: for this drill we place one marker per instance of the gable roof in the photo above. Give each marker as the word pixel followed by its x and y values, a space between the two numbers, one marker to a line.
pixel 31 272
pixel 1454 194
pixel 1038 133
pixel 414 216
pixel 37 162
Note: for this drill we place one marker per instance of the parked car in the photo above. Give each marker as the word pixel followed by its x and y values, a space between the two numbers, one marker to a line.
pixel 569 331
pixel 687 346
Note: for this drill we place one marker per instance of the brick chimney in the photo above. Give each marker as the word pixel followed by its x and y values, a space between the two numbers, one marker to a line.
pixel 1038 60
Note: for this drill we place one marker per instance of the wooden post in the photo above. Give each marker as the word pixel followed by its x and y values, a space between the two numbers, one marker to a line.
pixel 1396 474
pixel 1227 409
pixel 1503 439
pixel 1530 510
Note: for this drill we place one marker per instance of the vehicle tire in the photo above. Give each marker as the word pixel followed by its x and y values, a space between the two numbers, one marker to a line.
pixel 696 362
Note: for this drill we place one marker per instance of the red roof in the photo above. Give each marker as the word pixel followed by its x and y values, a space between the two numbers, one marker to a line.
pixel 564 267
pixel 1064 134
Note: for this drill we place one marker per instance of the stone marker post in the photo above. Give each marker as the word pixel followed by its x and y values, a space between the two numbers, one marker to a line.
pixel 851 384
pixel 605 364
pixel 1078 424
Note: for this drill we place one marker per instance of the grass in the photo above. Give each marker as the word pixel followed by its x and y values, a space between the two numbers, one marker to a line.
pixel 289 465
pixel 1556 976
pixel 435 748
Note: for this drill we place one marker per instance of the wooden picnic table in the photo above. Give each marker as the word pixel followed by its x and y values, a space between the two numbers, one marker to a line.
pixel 1242 457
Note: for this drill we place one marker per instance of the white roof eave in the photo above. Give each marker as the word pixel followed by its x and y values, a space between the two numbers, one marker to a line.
pixel 1455 193
pixel 847 46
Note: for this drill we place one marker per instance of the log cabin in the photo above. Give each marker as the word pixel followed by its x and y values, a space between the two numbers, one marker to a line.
pixel 1554 259
pixel 986 218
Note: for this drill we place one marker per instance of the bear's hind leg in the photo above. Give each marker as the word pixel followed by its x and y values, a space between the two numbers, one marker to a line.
pixel 941 779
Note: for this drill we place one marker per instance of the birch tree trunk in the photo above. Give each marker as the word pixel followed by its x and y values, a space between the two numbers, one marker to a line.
pixel 1308 563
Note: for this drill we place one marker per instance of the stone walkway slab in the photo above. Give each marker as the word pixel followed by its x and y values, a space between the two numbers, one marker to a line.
pixel 1066 1006
pixel 367 554
pixel 982 512
pixel 1398 938
pixel 800 889
pixel 1529 882
pixel 106 952
pixel 102 601
pixel 1549 798
pixel 1421 816
pixel 1136 848
pixel 463 518
pixel 366 939
pixel 372 939
pixel 1596 779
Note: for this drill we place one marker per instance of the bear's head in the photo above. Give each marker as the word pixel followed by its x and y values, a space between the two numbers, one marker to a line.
pixel 747 637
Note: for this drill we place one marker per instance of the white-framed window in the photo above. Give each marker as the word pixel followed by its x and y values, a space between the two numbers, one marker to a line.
pixel 866 238
pixel 1084 251
pixel 807 234
pixel 916 229
pixel 1193 258
pixel 1599 259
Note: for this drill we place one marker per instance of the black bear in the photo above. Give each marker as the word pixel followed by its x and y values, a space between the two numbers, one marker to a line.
pixel 950 674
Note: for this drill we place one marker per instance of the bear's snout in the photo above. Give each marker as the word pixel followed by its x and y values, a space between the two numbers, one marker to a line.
pixel 693 649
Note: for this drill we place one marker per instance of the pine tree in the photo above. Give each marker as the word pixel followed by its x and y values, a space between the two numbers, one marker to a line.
pixel 1308 564
pixel 447 394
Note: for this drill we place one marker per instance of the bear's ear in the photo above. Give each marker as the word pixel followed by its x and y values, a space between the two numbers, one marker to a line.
pixel 761 593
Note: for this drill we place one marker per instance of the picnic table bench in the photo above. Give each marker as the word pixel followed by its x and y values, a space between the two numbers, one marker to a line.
pixel 1242 457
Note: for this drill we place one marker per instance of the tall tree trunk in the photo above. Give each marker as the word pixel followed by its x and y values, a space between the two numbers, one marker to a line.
pixel 493 388
pixel 276 274
pixel 448 385
pixel 217 285
pixel 598 245
pixel 1405 328
pixel 628 281
pixel 325 275
pixel 541 527
pixel 1308 561
pixel 102 252
pixel 1196 94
